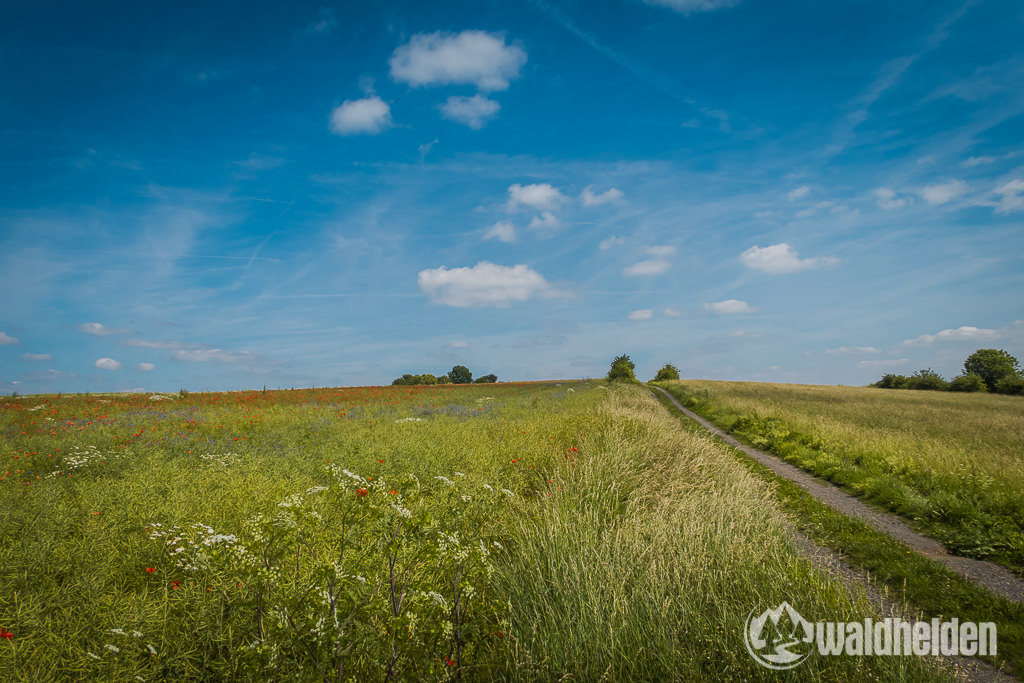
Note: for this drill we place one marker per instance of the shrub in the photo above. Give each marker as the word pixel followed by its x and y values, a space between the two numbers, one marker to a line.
pixel 667 372
pixel 993 365
pixel 486 379
pixel 891 381
pixel 1011 384
pixel 928 380
pixel 622 369
pixel 968 382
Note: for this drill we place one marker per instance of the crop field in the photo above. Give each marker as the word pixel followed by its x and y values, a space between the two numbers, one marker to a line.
pixel 479 532
pixel 951 463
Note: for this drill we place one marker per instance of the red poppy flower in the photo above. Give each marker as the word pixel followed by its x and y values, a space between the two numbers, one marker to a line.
pixel 150 570
pixel 360 492
pixel 381 462
pixel 393 493
pixel 4 633
pixel 174 585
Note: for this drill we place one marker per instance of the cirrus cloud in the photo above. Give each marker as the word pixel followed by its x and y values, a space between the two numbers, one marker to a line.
pixel 485 284
pixel 36 356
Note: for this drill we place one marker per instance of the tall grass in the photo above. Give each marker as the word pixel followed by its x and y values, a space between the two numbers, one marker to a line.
pixel 953 464
pixel 524 532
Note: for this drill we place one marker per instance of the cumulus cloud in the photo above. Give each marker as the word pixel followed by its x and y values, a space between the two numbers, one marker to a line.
pixel 642 314
pixel 369 115
pixel 473 111
pixel 7 339
pixel 540 196
pixel 691 6
pixel 965 333
pixel 484 284
pixel 545 221
pixel 842 350
pixel 610 242
pixel 943 192
pixel 36 356
pixel 470 57
pixel 100 330
pixel 798 193
pixel 502 230
pixel 888 200
pixel 673 313
pixel 728 307
pixel 107 364
pixel 1012 194
pixel 781 258
pixel 146 366
pixel 608 196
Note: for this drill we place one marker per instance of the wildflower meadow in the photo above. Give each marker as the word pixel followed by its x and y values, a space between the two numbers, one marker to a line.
pixel 521 531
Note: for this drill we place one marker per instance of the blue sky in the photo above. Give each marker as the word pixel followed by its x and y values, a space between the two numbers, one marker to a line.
pixel 232 195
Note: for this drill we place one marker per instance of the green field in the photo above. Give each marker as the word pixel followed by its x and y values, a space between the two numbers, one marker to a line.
pixel 481 532
pixel 951 463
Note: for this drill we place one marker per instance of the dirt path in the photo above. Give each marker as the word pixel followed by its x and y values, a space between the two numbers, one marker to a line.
pixel 986 574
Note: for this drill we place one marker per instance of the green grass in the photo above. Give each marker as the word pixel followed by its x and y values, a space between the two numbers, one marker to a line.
pixel 518 532
pixel 905 577
pixel 952 464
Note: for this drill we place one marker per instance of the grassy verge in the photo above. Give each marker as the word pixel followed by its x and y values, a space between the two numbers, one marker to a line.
pixel 951 464
pixel 488 532
pixel 906 576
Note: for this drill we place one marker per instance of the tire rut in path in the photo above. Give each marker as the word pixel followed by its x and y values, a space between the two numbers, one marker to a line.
pixel 988 575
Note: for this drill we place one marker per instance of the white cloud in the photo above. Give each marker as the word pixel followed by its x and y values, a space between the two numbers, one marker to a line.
pixel 977 161
pixel 610 242
pixel 107 364
pixel 642 314
pixel 798 193
pixel 540 196
pixel 888 199
pixel 608 196
pixel 943 192
pixel 502 230
pixel 661 251
pixel 36 356
pixel 470 57
pixel 1012 196
pixel 781 258
pixel 255 162
pixel 214 355
pixel 810 211
pixel 459 344
pixel 146 366
pixel 369 115
pixel 728 307
pixel 473 111
pixel 648 267
pixel 485 284
pixel 882 363
pixel 842 350
pixel 673 313
pixel 149 344
pixel 965 333
pixel 7 339
pixel 545 221
pixel 689 6
pixel 100 330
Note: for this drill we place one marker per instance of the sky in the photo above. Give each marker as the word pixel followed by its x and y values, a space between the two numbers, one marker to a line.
pixel 221 196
